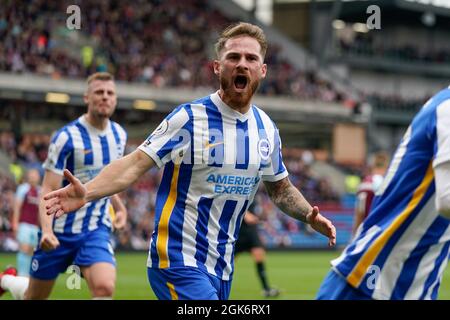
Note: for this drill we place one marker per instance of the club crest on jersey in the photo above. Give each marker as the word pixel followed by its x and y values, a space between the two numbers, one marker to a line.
pixel 264 149
pixel 162 128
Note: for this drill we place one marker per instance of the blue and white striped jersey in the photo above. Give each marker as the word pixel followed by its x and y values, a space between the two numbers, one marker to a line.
pixel 401 249
pixel 214 160
pixel 84 151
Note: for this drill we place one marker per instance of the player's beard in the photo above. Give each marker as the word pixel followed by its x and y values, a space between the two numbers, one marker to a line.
pixel 103 113
pixel 238 99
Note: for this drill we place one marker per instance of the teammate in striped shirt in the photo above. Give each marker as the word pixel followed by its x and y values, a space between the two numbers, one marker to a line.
pixel 82 238
pixel 215 151
pixel 401 249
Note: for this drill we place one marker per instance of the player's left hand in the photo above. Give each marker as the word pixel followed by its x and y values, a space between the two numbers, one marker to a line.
pixel 120 220
pixel 322 225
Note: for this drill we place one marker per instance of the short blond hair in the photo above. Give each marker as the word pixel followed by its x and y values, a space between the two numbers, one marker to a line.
pixel 242 29
pixel 102 76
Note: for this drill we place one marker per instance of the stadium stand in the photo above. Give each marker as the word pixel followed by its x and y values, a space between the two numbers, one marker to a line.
pixel 165 46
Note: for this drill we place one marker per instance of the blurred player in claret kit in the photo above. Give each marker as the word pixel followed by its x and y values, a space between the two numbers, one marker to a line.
pixel 368 187
pixel 25 222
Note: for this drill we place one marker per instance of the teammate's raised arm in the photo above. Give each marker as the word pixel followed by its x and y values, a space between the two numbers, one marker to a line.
pixel 115 177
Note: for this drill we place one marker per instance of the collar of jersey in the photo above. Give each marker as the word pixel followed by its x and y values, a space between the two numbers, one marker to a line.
pixel 227 110
pixel 93 129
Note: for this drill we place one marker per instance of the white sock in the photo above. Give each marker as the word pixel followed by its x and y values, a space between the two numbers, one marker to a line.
pixel 16 285
pixel 101 298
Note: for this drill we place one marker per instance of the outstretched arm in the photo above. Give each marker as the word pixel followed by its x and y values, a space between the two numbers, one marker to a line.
pixel 120 211
pixel 289 199
pixel 115 177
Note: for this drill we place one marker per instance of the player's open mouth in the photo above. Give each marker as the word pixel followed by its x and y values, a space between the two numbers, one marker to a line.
pixel 240 82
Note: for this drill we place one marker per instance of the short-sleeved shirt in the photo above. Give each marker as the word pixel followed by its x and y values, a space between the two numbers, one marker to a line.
pixel 84 150
pixel 401 249
pixel 214 159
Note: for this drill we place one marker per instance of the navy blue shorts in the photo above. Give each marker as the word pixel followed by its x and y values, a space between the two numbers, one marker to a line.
pixel 80 249
pixel 187 283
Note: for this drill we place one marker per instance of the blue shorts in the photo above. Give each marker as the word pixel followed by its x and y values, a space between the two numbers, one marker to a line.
pixel 80 249
pixel 335 287
pixel 28 234
pixel 187 283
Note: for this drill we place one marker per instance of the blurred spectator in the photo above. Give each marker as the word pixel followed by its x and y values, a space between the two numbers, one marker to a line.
pixel 396 102
pixel 372 45
pixel 7 189
pixel 162 43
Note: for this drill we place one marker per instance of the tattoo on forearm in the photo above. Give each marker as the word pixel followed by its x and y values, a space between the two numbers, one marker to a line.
pixel 288 198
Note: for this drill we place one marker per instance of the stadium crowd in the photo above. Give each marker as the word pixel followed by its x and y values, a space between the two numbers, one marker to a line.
pixel 368 44
pixel 396 102
pixel 162 43
pixel 31 151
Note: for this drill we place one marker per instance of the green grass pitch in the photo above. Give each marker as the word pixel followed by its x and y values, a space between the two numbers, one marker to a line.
pixel 298 274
